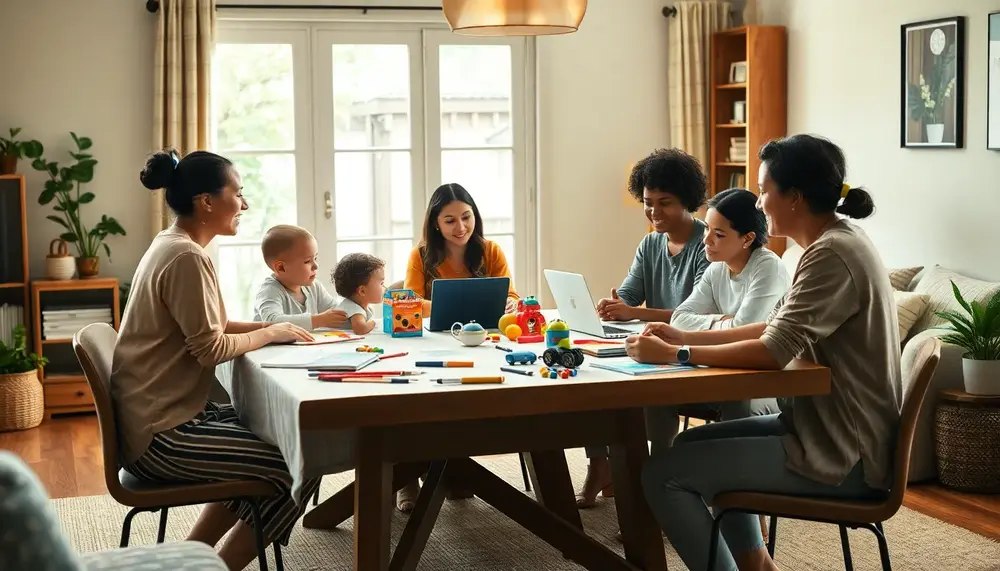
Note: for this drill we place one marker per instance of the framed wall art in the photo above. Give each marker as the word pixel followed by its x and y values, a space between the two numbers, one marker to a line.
pixel 933 83
pixel 993 83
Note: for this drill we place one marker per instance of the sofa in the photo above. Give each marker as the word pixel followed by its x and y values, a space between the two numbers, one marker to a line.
pixel 32 538
pixel 921 292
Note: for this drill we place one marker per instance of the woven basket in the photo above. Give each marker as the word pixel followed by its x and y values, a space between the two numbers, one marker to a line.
pixel 22 401
pixel 967 445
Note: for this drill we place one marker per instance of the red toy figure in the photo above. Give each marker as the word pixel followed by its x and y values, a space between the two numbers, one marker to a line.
pixel 529 316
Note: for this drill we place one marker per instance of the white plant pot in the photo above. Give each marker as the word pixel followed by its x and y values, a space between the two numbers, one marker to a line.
pixel 981 377
pixel 935 133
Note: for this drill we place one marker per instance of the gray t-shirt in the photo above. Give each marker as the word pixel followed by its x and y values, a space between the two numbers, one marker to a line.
pixel 276 304
pixel 660 280
pixel 352 309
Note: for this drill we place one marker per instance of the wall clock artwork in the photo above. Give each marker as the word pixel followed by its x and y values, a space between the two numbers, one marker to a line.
pixel 933 84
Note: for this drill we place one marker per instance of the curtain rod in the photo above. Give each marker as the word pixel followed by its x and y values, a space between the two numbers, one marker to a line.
pixel 152 6
pixel 669 11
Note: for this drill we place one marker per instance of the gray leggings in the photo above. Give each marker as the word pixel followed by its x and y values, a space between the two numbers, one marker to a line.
pixel 662 421
pixel 744 455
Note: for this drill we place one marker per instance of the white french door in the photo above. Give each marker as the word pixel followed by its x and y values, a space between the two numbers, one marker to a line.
pixel 347 129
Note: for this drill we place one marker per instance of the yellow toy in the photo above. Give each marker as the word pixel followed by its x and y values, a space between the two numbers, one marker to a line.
pixel 513 331
pixel 557 334
pixel 507 320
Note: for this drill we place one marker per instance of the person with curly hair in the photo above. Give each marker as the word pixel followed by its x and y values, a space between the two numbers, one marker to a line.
pixel 668 263
pixel 360 279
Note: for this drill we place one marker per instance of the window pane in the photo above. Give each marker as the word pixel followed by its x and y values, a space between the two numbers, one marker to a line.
pixel 489 176
pixel 507 245
pixel 241 270
pixel 374 194
pixel 269 189
pixel 252 97
pixel 475 95
pixel 371 96
pixel 394 253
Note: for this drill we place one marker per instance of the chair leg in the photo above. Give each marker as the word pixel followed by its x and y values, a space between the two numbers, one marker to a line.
pixel 524 472
pixel 883 546
pixel 713 544
pixel 685 423
pixel 258 531
pixel 278 563
pixel 316 496
pixel 162 532
pixel 127 526
pixel 845 543
pixel 772 535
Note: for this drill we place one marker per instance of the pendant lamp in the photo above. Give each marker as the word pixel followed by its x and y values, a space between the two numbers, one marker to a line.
pixel 514 17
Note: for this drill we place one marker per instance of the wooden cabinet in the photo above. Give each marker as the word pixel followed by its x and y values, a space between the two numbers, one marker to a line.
pixel 57 309
pixel 13 254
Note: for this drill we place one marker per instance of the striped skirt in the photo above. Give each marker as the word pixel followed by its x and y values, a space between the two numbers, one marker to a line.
pixel 215 447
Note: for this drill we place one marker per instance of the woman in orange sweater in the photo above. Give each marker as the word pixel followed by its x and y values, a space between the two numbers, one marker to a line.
pixel 453 246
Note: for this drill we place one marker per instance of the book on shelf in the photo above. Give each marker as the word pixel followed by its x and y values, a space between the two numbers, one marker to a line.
pixel 10 317
pixel 738 149
pixel 64 322
pixel 737 180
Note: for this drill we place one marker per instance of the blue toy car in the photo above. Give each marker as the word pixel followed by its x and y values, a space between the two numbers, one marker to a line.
pixel 521 358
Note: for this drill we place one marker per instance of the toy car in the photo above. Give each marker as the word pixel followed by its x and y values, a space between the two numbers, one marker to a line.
pixel 521 358
pixel 559 356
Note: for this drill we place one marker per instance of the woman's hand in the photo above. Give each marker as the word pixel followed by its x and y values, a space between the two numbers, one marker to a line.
pixel 511 306
pixel 668 333
pixel 614 309
pixel 649 349
pixel 287 333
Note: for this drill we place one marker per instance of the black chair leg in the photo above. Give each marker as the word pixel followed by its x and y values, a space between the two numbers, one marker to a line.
pixel 127 526
pixel 685 423
pixel 524 472
pixel 278 563
pixel 772 535
pixel 258 531
pixel 316 496
pixel 161 534
pixel 713 544
pixel 883 546
pixel 845 543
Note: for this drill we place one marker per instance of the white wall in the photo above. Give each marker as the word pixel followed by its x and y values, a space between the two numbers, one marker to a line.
pixel 83 67
pixel 933 206
pixel 602 105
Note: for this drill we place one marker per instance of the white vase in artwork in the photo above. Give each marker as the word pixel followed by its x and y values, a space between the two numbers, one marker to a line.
pixel 935 133
pixel 750 13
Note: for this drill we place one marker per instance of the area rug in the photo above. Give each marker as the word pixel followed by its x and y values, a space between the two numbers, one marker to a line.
pixel 472 535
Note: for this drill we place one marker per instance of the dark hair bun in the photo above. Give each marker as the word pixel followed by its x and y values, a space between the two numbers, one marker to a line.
pixel 159 170
pixel 857 204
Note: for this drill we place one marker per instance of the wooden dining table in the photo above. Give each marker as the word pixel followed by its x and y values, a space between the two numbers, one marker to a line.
pixel 399 432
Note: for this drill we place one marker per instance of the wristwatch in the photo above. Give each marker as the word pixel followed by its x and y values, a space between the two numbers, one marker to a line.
pixel 684 355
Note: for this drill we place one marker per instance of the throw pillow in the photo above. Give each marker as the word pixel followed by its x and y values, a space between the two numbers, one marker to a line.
pixel 937 285
pixel 910 307
pixel 901 278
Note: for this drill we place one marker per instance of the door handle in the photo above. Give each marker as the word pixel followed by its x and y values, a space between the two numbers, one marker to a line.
pixel 328 201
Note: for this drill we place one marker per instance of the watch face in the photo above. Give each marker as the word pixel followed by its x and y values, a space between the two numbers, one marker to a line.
pixel 937 41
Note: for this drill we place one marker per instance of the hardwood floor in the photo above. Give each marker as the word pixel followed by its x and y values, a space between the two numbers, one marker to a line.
pixel 66 454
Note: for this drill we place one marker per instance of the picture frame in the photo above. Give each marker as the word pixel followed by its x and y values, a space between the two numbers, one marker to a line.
pixel 739 112
pixel 738 72
pixel 993 81
pixel 932 82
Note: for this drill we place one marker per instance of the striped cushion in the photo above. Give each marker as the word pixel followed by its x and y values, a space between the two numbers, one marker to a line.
pixel 910 307
pixel 937 286
pixel 900 278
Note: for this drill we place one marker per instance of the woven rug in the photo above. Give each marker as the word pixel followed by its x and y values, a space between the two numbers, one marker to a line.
pixel 471 535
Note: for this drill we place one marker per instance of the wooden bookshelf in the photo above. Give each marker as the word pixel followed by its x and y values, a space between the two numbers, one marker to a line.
pixel 765 96
pixel 66 389
pixel 14 244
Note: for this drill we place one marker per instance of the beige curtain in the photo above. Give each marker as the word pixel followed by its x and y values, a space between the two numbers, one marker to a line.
pixel 689 40
pixel 185 36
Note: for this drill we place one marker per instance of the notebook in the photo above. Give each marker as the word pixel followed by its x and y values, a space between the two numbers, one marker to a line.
pixel 630 367
pixel 320 359
pixel 604 350
pixel 326 337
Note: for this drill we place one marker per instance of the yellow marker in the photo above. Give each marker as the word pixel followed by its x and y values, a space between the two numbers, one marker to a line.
pixel 470 381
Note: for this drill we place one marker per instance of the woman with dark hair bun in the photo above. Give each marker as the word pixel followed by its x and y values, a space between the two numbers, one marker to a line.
pixel 173 334
pixel 839 312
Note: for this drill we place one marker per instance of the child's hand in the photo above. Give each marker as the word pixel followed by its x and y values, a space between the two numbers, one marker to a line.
pixel 332 318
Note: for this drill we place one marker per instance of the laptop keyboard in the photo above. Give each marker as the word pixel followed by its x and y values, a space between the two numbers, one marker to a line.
pixel 612 330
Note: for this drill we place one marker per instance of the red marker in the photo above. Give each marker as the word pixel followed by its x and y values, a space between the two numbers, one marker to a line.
pixel 403 354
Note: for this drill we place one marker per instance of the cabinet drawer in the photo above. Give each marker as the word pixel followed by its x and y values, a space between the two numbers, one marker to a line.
pixel 68 394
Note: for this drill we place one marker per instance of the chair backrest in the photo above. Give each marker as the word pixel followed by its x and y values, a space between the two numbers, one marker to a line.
pixel 928 355
pixel 94 346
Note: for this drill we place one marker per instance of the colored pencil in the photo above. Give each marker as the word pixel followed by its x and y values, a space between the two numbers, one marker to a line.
pixel 403 354
pixel 470 380
pixel 388 380
pixel 445 364
pixel 525 372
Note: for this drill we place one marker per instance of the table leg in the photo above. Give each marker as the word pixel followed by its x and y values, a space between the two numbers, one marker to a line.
pixel 640 532
pixel 552 484
pixel 422 518
pixel 336 509
pixel 372 502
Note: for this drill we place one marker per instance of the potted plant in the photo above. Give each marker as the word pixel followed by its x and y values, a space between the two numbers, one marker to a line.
pixel 978 332
pixel 22 401
pixel 927 98
pixel 63 186
pixel 12 150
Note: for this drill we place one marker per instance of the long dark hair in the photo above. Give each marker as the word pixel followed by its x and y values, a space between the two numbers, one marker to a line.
pixel 432 250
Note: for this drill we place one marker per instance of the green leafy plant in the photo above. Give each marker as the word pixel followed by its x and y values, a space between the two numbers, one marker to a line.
pixel 20 149
pixel 978 332
pixel 15 358
pixel 63 186
pixel 927 98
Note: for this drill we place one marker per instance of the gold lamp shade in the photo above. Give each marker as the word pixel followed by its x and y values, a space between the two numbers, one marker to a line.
pixel 514 17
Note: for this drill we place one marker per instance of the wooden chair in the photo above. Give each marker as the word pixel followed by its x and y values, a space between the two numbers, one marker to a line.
pixel 94 346
pixel 854 514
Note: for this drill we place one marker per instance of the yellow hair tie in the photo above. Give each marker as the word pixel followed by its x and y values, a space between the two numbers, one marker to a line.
pixel 844 190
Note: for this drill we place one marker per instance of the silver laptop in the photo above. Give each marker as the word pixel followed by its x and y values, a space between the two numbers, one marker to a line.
pixel 576 306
